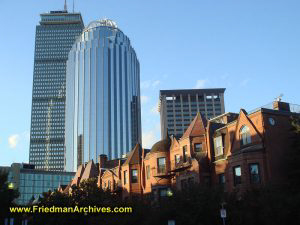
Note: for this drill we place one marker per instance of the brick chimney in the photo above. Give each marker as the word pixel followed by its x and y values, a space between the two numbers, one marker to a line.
pixel 102 159
pixel 281 106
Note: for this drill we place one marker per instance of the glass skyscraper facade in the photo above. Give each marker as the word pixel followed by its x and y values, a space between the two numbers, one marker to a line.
pixel 32 183
pixel 54 38
pixel 102 96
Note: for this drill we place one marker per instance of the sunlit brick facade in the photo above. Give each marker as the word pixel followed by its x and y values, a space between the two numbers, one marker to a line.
pixel 235 151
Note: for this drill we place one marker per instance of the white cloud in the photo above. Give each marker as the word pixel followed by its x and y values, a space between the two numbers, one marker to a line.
pixel 149 139
pixel 154 109
pixel 201 83
pixel 13 140
pixel 244 82
pixel 144 99
pixel 149 84
pixel 145 84
pixel 155 83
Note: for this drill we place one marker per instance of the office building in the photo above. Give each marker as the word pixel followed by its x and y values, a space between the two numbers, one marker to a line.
pixel 31 183
pixel 103 95
pixel 54 38
pixel 179 107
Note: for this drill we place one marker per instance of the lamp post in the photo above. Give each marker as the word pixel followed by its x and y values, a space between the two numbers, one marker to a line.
pixel 223 212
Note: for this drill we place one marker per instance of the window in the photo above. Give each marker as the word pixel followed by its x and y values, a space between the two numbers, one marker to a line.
pixel 222 179
pixel 245 137
pixel 198 147
pixel 125 177
pixel 191 181
pixel 108 184
pixel 177 159
pixel 254 173
pixel 134 176
pixel 183 184
pixel 184 153
pixel 218 146
pixel 148 172
pixel 237 175
pixel 163 192
pixel 161 165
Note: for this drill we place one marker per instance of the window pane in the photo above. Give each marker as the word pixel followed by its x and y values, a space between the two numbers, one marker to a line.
pixel 254 174
pixel 161 165
pixel 177 159
pixel 245 135
pixel 134 176
pixel 148 172
pixel 218 145
pixel 222 179
pixel 237 175
pixel 184 153
pixel 198 147
pixel 125 177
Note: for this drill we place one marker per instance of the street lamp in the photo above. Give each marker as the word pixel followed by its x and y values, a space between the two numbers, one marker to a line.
pixel 11 186
pixel 223 212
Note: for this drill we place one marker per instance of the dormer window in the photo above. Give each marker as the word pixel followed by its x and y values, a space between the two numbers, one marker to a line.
pixel 245 137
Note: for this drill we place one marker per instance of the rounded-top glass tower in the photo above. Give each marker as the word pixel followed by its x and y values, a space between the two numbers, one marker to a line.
pixel 103 113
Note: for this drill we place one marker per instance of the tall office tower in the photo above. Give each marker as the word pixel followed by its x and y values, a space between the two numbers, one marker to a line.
pixel 103 95
pixel 179 107
pixel 55 36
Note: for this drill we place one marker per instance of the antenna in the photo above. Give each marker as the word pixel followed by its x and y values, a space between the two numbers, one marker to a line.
pixel 73 5
pixel 279 98
pixel 65 6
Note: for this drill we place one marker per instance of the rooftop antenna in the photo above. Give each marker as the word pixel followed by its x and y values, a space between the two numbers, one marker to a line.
pixel 65 6
pixel 73 5
pixel 279 98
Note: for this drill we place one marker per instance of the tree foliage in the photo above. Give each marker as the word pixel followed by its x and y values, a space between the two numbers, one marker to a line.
pixel 197 205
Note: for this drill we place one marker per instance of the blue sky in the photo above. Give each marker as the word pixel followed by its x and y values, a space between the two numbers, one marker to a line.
pixel 250 47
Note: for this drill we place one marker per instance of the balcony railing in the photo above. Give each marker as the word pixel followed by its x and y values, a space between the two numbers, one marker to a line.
pixel 181 163
pixel 159 171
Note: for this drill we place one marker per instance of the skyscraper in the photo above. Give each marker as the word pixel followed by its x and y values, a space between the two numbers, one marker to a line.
pixel 55 36
pixel 103 95
pixel 179 107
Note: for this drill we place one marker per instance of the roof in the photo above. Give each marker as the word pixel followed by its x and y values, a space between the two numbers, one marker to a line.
pixel 134 155
pixel 101 23
pixel 193 91
pixel 90 171
pixel 162 146
pixel 196 128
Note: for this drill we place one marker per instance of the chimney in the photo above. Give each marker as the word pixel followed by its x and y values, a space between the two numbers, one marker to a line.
pixel 281 106
pixel 102 159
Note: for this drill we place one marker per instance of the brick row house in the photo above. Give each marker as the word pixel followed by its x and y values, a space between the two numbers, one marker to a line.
pixel 236 151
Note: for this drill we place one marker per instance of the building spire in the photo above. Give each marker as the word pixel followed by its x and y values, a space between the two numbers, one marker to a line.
pixel 65 6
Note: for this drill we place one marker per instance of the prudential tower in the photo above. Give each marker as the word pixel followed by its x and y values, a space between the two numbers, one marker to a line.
pixel 103 113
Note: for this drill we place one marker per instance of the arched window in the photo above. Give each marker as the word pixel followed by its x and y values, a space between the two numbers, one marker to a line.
pixel 245 137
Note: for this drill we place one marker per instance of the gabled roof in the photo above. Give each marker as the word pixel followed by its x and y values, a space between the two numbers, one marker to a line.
pixel 78 175
pixel 174 143
pixel 90 171
pixel 243 116
pixel 134 156
pixel 196 128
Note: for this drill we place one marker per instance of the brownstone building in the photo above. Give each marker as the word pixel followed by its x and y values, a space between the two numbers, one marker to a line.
pixel 236 151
